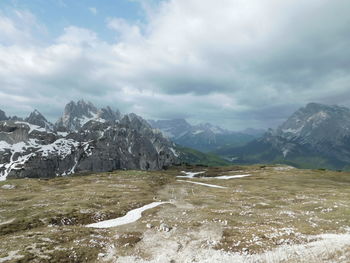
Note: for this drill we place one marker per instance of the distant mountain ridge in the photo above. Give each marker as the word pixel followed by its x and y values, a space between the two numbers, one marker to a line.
pixel 83 139
pixel 315 136
pixel 203 137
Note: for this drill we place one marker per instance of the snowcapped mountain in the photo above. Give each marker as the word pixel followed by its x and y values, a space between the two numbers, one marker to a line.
pixel 314 136
pixel 317 123
pixel 36 118
pixel 203 137
pixel 84 139
pixel 77 114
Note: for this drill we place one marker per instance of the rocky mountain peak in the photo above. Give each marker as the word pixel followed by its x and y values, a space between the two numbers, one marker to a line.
pixel 93 140
pixel 3 116
pixel 108 114
pixel 36 118
pixel 80 109
pixel 315 136
pixel 136 122
pixel 317 122
pixel 76 114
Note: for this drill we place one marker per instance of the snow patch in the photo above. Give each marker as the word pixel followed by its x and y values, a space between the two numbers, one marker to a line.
pixel 8 186
pixel 209 185
pixel 226 177
pixel 32 127
pixel 189 174
pixel 283 168
pixel 63 134
pixel 293 131
pixel 174 152
pixel 197 132
pixel 130 217
pixel 285 152
pixel 62 147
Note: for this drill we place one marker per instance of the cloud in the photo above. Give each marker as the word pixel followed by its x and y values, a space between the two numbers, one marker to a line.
pixel 236 63
pixel 93 10
pixel 19 27
pixel 126 32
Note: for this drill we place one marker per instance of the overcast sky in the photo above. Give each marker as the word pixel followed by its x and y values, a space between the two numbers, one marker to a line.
pixel 235 63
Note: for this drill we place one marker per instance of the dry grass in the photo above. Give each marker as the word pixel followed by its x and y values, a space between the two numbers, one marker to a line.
pixel 47 217
pixel 44 219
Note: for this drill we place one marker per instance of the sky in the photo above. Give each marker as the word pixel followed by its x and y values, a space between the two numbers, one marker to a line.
pixel 234 63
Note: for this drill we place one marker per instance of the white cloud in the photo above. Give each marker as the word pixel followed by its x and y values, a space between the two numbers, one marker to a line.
pixel 127 32
pixel 233 62
pixel 19 28
pixel 78 36
pixel 93 10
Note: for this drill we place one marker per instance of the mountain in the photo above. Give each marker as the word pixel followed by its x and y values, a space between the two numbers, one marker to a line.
pixel 96 140
pixel 203 137
pixel 3 116
pixel 36 118
pixel 315 136
pixel 77 114
pixel 174 128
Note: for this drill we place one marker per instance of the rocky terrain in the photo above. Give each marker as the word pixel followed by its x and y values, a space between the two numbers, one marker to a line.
pixel 83 139
pixel 203 137
pixel 315 136
pixel 265 214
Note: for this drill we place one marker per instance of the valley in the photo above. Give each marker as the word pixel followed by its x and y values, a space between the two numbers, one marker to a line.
pixel 253 213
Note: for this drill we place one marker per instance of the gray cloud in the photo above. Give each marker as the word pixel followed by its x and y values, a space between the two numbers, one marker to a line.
pixel 234 64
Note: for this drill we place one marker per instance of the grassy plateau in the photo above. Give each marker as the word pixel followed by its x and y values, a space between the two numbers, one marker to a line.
pixel 270 214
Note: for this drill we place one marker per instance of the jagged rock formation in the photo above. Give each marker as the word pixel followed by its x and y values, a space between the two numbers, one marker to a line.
pixel 203 137
pixel 76 115
pixel 94 140
pixel 36 118
pixel 314 136
pixel 3 116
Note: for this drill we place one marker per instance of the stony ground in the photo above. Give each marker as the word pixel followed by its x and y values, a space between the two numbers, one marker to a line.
pixel 276 214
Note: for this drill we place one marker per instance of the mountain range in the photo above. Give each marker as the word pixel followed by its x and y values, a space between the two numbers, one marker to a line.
pixel 203 137
pixel 315 136
pixel 86 139
pixel 83 139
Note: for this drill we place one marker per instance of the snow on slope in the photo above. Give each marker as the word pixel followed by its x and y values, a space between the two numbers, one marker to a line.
pixel 32 127
pixel 62 147
pixel 209 185
pixel 226 177
pixel 189 174
pixel 130 217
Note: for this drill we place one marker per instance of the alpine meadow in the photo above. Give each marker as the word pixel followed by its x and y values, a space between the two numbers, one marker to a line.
pixel 174 131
